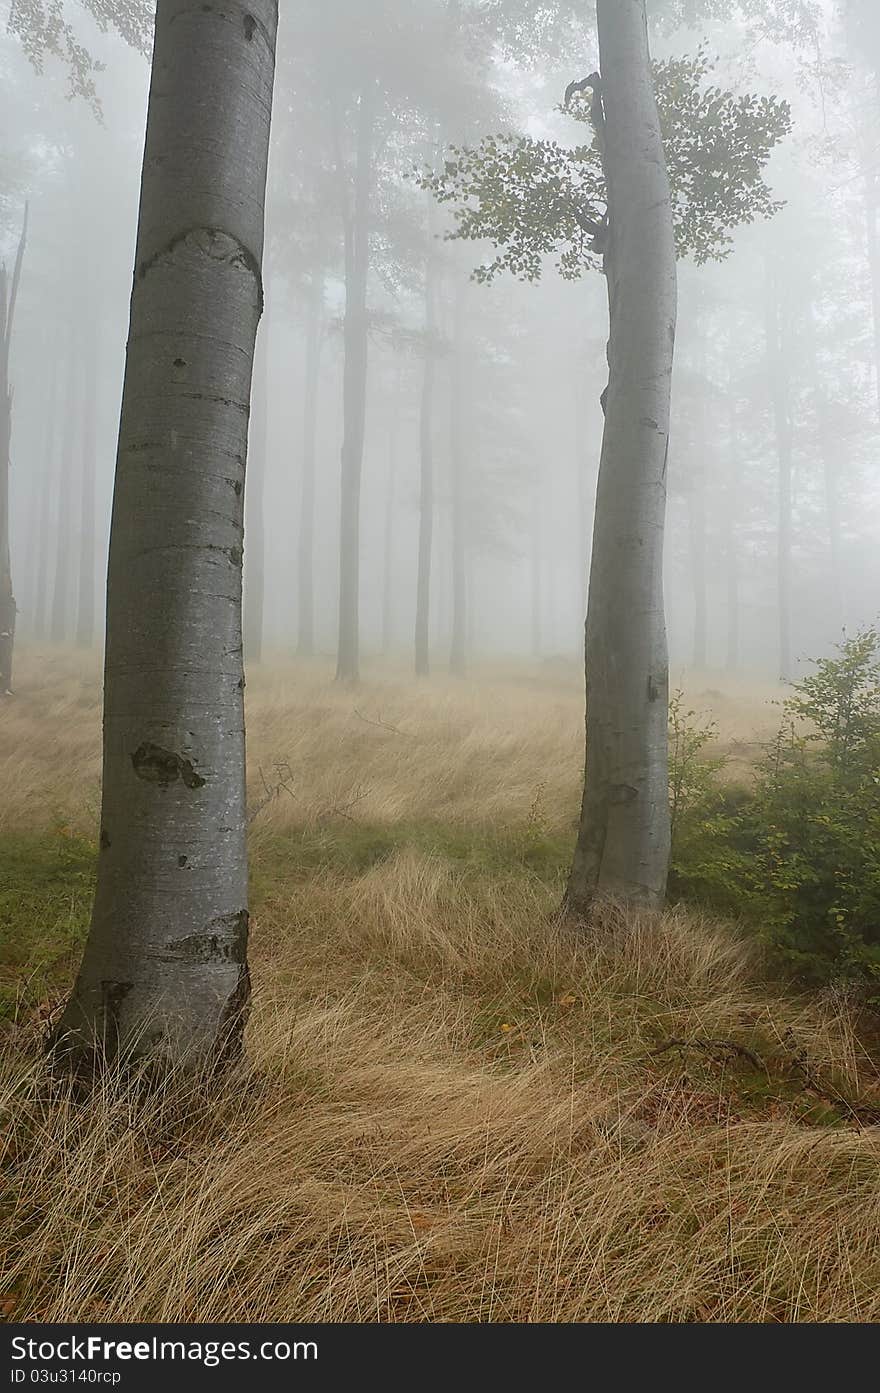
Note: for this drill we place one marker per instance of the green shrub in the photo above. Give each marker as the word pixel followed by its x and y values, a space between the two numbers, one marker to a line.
pixel 799 853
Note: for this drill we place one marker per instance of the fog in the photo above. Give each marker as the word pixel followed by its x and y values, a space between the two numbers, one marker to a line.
pixel 515 422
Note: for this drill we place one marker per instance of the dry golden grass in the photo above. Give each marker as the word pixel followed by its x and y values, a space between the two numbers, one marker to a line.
pixel 453 1110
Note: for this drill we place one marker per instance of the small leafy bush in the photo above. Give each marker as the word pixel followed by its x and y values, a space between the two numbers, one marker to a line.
pixel 799 853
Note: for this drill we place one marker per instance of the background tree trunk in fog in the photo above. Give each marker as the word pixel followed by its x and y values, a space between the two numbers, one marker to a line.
pixel 623 841
pixel 165 967
pixel 732 506
pixel 872 228
pixel 61 581
pixel 778 336
pixel 390 500
pixel 357 265
pixel 85 613
pixel 829 450
pixel 305 562
pixel 255 517
pixel 426 470
pixel 538 571
pixel 458 641
pixel 44 511
pixel 8 608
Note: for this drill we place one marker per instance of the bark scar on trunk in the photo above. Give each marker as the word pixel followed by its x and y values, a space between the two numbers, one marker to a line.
pixel 225 940
pixel 155 765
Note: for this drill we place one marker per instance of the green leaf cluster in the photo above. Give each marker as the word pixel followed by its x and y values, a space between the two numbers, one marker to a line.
pixel 534 199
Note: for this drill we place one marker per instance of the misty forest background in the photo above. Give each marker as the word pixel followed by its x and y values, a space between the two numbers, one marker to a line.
pixel 455 1102
pixel 774 441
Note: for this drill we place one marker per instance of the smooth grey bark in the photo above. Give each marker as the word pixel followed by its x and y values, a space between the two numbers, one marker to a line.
pixel 390 499
pixel 829 451
pixel 85 611
pixel 305 645
pixel 8 608
pixel 778 346
pixel 357 265
pixel 623 841
pixel 62 577
pixel 537 575
pixel 165 974
pixel 458 464
pixel 255 518
pixel 732 509
pixel 426 472
pixel 40 587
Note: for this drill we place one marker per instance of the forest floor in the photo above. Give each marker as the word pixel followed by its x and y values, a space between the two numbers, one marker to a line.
pixel 452 1109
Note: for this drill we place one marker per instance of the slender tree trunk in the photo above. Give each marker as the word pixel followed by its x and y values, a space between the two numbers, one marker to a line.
pixel 537 572
pixel 426 471
pixel 85 616
pixel 8 607
pixel 61 583
pixel 390 499
pixel 733 504
pixel 458 642
pixel 305 645
pixel 623 842
pixel 698 550
pixel 165 970
pixel 872 227
pixel 44 516
pixel 778 375
pixel 829 450
pixel 357 265
pixel 255 513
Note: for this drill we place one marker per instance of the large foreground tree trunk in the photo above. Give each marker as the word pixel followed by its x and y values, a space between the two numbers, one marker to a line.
pixel 8 607
pixel 165 972
pixel 623 842
pixel 255 512
pixel 357 266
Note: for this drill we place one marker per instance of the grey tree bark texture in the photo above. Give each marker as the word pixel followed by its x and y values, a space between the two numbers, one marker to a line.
pixel 85 610
pixel 458 467
pixel 426 471
pixel 62 577
pixel 357 266
pixel 255 515
pixel 164 974
pixel 778 343
pixel 8 608
pixel 622 850
pixel 305 646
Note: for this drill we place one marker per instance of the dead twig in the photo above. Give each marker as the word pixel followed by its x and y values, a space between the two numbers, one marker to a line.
pixel 342 810
pixel 714 1048
pixel 383 725
pixel 283 784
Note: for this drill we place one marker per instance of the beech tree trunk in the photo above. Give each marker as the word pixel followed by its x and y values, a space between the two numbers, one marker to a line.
pixel 390 498
pixel 165 974
pixel 778 340
pixel 8 607
pixel 44 513
pixel 61 580
pixel 458 641
pixel 623 842
pixel 255 518
pixel 357 266
pixel 426 472
pixel 305 645
pixel 85 614
pixel 732 510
